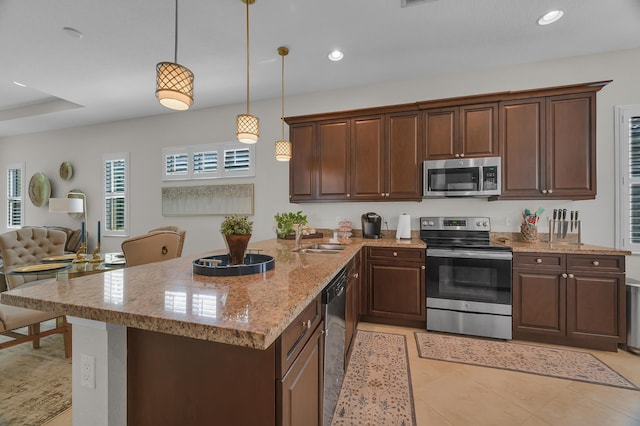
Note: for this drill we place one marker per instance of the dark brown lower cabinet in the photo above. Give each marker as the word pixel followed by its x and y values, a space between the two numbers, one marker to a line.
pixel 575 300
pixel 301 388
pixel 175 380
pixel 395 286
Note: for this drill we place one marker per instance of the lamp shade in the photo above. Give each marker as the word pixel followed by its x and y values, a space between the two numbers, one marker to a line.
pixel 283 150
pixel 248 128
pixel 174 86
pixel 66 205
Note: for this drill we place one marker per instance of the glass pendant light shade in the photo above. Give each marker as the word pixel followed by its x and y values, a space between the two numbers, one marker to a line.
pixel 248 128
pixel 174 86
pixel 283 150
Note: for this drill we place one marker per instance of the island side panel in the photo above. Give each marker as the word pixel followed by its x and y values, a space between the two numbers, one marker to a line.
pixel 178 380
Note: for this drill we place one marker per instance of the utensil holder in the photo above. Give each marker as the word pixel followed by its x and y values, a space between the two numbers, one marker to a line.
pixel 565 231
pixel 529 233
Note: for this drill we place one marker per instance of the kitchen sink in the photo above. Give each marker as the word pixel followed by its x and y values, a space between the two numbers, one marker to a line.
pixel 322 248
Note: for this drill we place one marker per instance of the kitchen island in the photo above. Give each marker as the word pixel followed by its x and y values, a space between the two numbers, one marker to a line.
pixel 172 347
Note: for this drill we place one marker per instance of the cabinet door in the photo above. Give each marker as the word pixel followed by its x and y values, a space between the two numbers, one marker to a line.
pixel 440 133
pixel 522 139
pixel 301 388
pixel 404 157
pixel 302 165
pixel 571 144
pixel 396 292
pixel 333 160
pixel 595 309
pixel 367 158
pixel 539 300
pixel 478 131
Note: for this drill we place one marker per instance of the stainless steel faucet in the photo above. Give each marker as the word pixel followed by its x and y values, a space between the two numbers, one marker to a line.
pixel 298 229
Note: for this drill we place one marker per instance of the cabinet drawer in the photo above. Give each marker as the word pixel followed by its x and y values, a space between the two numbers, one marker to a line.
pixel 295 336
pixel 410 254
pixel 595 263
pixel 539 260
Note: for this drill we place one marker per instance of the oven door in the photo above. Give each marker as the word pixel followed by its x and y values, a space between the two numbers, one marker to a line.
pixel 470 280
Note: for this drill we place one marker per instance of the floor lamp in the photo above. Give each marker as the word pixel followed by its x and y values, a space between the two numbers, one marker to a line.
pixel 73 205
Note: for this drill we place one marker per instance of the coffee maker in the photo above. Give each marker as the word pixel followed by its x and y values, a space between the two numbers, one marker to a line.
pixel 371 223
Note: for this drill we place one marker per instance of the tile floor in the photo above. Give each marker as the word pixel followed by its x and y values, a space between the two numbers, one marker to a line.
pixel 456 394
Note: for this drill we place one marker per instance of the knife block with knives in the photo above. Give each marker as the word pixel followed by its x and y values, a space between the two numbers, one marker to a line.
pixel 565 230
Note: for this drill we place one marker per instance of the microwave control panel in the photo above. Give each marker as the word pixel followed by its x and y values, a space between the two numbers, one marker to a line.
pixel 490 178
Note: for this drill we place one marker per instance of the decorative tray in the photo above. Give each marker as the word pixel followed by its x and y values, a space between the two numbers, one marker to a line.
pixel 40 267
pixel 218 266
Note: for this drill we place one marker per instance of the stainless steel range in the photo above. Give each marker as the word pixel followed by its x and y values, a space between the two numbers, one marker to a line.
pixel 468 278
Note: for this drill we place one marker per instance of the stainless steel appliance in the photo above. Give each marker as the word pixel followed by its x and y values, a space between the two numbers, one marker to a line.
pixel 468 278
pixel 333 303
pixel 371 224
pixel 462 177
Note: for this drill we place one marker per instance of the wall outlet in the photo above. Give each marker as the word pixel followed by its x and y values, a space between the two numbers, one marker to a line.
pixel 88 371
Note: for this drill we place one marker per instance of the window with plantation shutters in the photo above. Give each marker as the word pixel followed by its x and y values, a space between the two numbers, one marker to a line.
pixel 116 209
pixel 628 177
pixel 212 161
pixel 15 196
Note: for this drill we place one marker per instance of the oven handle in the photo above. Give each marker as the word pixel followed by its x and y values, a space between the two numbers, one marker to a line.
pixel 470 254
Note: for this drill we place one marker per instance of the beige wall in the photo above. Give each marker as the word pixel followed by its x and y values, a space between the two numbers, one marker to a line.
pixel 145 138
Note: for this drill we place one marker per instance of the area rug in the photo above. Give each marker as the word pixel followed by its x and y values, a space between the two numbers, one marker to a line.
pixel 35 384
pixel 377 385
pixel 552 362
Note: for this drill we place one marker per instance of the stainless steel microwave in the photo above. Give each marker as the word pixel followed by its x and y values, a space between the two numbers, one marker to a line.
pixel 462 177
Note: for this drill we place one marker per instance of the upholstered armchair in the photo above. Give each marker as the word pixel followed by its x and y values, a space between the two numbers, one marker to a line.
pixel 180 231
pixel 21 247
pixel 152 247
pixel 26 246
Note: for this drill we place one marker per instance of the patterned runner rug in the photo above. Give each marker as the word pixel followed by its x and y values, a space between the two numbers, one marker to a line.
pixel 35 384
pixel 377 385
pixel 561 363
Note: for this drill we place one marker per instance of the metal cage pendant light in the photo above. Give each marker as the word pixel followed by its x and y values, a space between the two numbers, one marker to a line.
pixel 247 125
pixel 283 147
pixel 174 83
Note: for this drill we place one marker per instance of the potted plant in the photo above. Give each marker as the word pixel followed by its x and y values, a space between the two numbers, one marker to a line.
pixel 237 233
pixel 286 221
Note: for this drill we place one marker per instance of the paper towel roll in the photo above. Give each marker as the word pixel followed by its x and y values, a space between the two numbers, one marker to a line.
pixel 404 226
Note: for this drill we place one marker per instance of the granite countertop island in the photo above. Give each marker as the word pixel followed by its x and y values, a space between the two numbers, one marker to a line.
pixel 167 297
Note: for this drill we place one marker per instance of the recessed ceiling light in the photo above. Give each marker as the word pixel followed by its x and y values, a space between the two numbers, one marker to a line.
pixel 72 32
pixel 550 17
pixel 17 83
pixel 336 55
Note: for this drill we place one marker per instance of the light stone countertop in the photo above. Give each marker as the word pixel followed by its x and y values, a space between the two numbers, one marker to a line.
pixel 167 297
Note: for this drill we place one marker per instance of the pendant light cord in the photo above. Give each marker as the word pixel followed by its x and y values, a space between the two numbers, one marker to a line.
pixel 248 107
pixel 175 54
pixel 282 118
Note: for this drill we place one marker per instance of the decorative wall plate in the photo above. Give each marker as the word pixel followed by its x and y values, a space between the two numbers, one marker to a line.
pixel 66 170
pixel 39 189
pixel 76 215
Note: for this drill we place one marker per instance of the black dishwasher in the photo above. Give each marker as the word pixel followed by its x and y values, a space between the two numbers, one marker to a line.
pixel 333 310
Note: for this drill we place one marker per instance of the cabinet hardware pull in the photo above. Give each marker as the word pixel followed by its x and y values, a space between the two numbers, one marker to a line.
pixel 348 195
pixel 382 194
pixel 423 267
pixel 564 275
pixel 462 155
pixel 571 276
pixel 596 263
pixel 457 155
pixel 395 253
pixel 306 324
pixel 544 191
pixel 551 191
pixel 538 260
pixel 387 194
pixel 355 275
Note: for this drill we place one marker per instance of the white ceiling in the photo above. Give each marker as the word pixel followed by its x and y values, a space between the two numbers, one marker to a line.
pixel 109 73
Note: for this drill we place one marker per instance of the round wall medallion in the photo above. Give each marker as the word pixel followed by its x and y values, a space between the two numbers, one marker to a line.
pixel 39 189
pixel 66 170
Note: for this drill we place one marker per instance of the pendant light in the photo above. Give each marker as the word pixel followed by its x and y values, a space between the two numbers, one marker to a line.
pixel 283 146
pixel 174 83
pixel 247 125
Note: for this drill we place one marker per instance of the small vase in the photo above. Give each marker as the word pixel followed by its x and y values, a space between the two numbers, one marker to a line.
pixel 237 245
